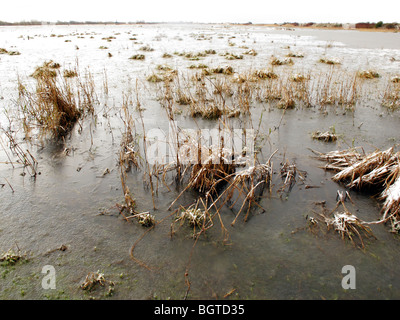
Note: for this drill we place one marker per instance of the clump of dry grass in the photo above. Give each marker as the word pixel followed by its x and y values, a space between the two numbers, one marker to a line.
pixel 10 53
pixel 391 205
pixel 207 176
pixel 278 62
pixel 154 78
pixel 331 61
pixel 57 103
pixel 193 215
pixel 232 56
pixel 300 77
pixel 218 179
pixel 198 66
pixel 92 279
pixel 146 219
pixel 207 111
pixel 194 56
pixel 326 136
pixel 370 170
pixel 52 106
pixel 137 57
pixel 95 279
pixel 251 52
pixel 348 226
pixel 368 74
pixel 162 67
pixel 288 175
pixel 378 171
pixel 227 70
pixel 70 74
pixel 196 218
pixel 48 69
pixel 295 55
pixel 262 74
pixel 11 257
pixel 146 48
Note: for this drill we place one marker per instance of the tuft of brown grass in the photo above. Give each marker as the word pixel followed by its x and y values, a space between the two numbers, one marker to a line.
pixel 70 74
pixel 11 257
pixel 331 61
pixel 326 136
pixel 278 62
pixel 57 103
pixel 48 69
pixel 295 55
pixel 137 57
pixel 52 106
pixel 368 74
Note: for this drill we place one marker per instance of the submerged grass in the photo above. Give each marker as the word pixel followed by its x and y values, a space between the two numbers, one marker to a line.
pixel 345 223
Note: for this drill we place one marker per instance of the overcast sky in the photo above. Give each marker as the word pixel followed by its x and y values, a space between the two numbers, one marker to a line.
pixel 256 11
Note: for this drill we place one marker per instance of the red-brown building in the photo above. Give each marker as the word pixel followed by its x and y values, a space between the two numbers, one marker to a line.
pixel 363 25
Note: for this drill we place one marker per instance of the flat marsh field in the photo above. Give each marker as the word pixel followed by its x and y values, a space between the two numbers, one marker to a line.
pixel 80 190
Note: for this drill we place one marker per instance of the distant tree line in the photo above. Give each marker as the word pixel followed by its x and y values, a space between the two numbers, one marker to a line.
pixel 367 25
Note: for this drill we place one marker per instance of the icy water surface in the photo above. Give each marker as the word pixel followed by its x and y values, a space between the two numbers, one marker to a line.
pixel 271 256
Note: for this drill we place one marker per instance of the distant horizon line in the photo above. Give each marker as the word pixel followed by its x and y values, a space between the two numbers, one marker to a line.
pixel 75 22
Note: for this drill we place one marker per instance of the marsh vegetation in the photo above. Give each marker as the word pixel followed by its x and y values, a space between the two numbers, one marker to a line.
pixel 231 201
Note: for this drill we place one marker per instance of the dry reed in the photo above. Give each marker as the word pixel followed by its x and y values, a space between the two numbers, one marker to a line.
pixel 377 171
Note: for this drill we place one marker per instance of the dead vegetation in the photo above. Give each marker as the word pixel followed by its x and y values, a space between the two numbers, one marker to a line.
pixel 295 55
pixel 196 218
pixel 391 94
pixel 251 52
pixel 51 107
pixel 10 53
pixel 368 74
pixel 12 257
pixel 56 104
pixel 129 158
pixel 378 172
pixel 70 74
pixel 47 70
pixel 280 62
pixel 326 136
pixel 331 61
pixel 25 158
pixel 95 279
pixel 138 57
pixel 288 173
pixel 342 221
pixel 146 48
